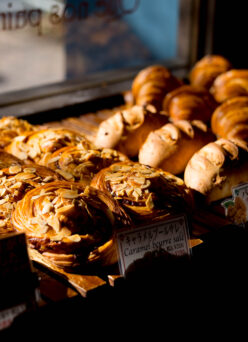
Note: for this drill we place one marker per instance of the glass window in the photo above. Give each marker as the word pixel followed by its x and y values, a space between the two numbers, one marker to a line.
pixel 51 41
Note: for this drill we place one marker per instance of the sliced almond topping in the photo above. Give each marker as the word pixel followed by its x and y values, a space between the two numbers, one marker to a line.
pixel 69 193
pixel 65 174
pixel 15 169
pixel 29 169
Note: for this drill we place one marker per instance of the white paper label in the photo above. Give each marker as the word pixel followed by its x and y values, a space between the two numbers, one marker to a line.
pixel 170 235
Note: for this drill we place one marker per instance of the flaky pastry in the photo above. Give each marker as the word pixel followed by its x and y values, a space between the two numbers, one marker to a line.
pixel 189 103
pixel 126 130
pixel 148 194
pixel 15 182
pixel 151 84
pixel 230 84
pixel 216 168
pixel 75 163
pixel 230 119
pixel 35 146
pixel 205 71
pixel 70 224
pixel 10 127
pixel 171 146
pixel 7 159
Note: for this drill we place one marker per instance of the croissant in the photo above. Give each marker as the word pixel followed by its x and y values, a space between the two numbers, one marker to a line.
pixel 230 119
pixel 126 130
pixel 35 146
pixel 147 194
pixel 7 159
pixel 205 71
pixel 151 84
pixel 70 224
pixel 17 180
pixel 11 127
pixel 171 146
pixel 230 84
pixel 79 164
pixel 216 168
pixel 189 103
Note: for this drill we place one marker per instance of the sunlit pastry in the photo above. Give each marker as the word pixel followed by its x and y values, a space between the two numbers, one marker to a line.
pixel 189 103
pixel 35 146
pixel 17 180
pixel 230 84
pixel 151 85
pixel 148 194
pixel 79 164
pixel 216 168
pixel 11 127
pixel 171 146
pixel 205 71
pixel 126 130
pixel 230 119
pixel 70 224
pixel 7 159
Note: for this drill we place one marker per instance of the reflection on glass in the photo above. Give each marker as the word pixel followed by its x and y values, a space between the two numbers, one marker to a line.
pixel 47 41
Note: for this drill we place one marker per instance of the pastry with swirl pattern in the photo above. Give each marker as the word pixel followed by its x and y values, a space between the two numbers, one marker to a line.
pixel 70 224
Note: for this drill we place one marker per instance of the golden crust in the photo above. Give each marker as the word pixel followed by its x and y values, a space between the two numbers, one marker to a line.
pixel 230 84
pixel 35 146
pixel 230 119
pixel 151 84
pixel 207 69
pixel 10 127
pixel 189 103
pixel 147 193
pixel 216 168
pixel 7 159
pixel 67 221
pixel 15 182
pixel 126 131
pixel 171 146
pixel 76 163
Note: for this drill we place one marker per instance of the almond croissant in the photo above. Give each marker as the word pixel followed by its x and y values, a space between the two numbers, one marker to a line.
pixel 70 224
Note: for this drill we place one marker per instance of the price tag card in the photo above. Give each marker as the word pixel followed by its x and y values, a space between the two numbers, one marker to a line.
pixel 236 208
pixel 171 235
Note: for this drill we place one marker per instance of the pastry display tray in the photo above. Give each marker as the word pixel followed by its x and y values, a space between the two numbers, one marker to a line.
pixel 55 284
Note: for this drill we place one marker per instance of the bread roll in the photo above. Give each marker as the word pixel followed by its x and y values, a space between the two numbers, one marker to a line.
pixel 207 69
pixel 36 146
pixel 151 85
pixel 148 194
pixel 126 130
pixel 70 224
pixel 189 103
pixel 230 119
pixel 171 146
pixel 230 84
pixel 216 168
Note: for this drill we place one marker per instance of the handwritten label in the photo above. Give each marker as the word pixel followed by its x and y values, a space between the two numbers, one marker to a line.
pixel 236 208
pixel 171 235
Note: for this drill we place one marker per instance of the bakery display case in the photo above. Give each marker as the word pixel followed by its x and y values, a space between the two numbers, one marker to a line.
pixel 123 179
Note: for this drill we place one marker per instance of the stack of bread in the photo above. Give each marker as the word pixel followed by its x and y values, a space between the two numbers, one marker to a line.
pixel 149 160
